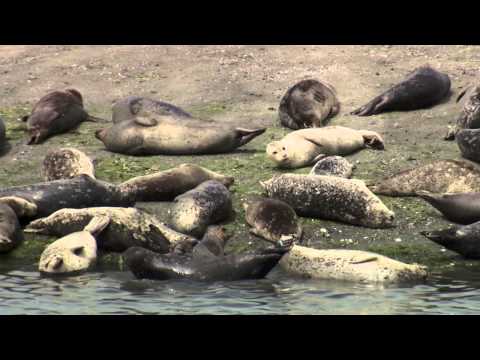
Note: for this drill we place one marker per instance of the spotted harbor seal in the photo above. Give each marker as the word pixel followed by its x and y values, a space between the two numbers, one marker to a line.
pixel 272 219
pixel 422 88
pixel 349 265
pixel 131 106
pixel 469 117
pixel 79 192
pixel 441 176
pixel 330 197
pixel 11 234
pixel 66 163
pixel 56 113
pixel 164 135
pixel 333 166
pixel 75 252
pixel 166 185
pixel 128 227
pixel 207 204
pixel 468 141
pixel 309 103
pixel 305 147
pixel 462 239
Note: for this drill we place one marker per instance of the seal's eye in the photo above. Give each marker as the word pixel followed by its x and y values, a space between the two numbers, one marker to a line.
pixel 78 251
pixel 274 153
pixel 283 148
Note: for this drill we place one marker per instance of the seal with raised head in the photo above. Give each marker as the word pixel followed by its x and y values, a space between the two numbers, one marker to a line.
pixel 333 166
pixel 128 227
pixel 164 135
pixel 468 141
pixel 461 208
pixel 11 234
pixel 131 106
pixel 462 239
pixel 305 147
pixel 66 163
pixel 79 192
pixel 309 103
pixel 441 176
pixel 349 265
pixel 166 185
pixel 272 219
pixel 331 198
pixel 207 204
pixel 469 117
pixel 422 88
pixel 75 252
pixel 56 113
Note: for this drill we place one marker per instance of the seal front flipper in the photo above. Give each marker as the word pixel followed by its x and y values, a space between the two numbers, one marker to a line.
pixel 20 206
pixel 97 225
pixel 144 121
pixel 364 260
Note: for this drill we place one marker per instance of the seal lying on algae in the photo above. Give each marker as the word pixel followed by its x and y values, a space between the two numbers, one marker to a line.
pixel 333 166
pixel 128 227
pixel 468 141
pixel 349 265
pixel 166 185
pixel 75 252
pixel 469 117
pixel 66 163
pixel 330 197
pixel 441 176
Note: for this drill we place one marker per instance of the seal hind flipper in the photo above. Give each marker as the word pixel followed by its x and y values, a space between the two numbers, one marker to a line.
pixel 247 135
pixel 372 108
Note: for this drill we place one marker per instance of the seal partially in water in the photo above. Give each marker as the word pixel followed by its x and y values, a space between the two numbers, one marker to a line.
pixel 468 141
pixel 422 88
pixel 55 113
pixel 349 265
pixel 11 234
pixel 305 147
pixel 333 166
pixel 75 252
pixel 166 185
pixel 330 197
pixel 309 103
pixel 441 176
pixel 66 163
pixel 469 117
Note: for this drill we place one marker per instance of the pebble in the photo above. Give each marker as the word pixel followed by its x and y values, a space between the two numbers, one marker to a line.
pixel 398 240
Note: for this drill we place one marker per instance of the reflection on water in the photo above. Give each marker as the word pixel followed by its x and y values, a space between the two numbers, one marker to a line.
pixel 26 292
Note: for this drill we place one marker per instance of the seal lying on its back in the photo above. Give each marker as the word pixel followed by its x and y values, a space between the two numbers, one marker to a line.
pixel 461 239
pixel 333 166
pixel 305 147
pixel 128 227
pixel 469 117
pixel 462 208
pixel 166 185
pixel 422 88
pixel 441 176
pixel 309 103
pixel 131 106
pixel 349 265
pixel 66 163
pixel 164 135
pixel 75 252
pixel 330 197
pixel 79 192
pixel 468 141
pixel 56 113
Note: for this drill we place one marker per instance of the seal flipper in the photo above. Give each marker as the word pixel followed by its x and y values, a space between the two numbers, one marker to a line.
pixel 460 96
pixel 96 119
pixel 364 260
pixel 97 225
pixel 20 206
pixel 147 122
pixel 246 135
pixel 371 108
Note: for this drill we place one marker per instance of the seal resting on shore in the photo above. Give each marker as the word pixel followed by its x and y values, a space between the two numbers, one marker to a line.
pixel 468 141
pixel 422 88
pixel 469 117
pixel 11 234
pixel 3 134
pixel 309 103
pixel 333 166
pixel 307 146
pixel 66 163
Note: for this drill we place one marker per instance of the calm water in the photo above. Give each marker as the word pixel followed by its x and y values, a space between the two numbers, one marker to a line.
pixel 24 291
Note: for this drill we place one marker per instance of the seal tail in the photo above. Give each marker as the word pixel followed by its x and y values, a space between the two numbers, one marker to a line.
pixel 97 225
pixel 247 135
pixel 96 119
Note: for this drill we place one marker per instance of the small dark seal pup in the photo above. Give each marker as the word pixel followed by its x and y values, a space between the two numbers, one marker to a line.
pixel 422 88
pixel 468 141
pixel 56 113
pixel 11 234
pixel 461 239
pixel 309 103
pixel 461 208
pixel 469 117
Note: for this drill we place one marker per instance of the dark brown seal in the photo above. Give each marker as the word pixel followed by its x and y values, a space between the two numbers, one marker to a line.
pixel 469 117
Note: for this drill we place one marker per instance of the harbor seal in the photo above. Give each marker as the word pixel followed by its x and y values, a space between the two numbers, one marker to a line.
pixel 461 208
pixel 422 88
pixel 11 234
pixel 128 227
pixel 3 134
pixel 272 219
pixel 212 243
pixel 441 176
pixel 331 198
pixel 309 103
pixel 131 106
pixel 469 117
pixel 56 113
pixel 66 163
pixel 79 192
pixel 73 253
pixel 163 135
pixel 305 147
pixel 349 265
pixel 333 166
pixel 166 185
pixel 468 141
pixel 462 239
pixel 207 204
